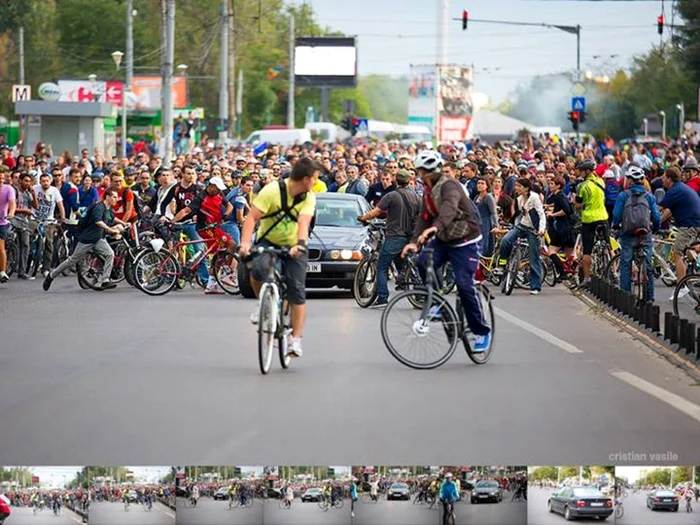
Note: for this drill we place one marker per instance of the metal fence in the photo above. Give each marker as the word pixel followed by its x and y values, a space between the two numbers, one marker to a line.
pixel 677 330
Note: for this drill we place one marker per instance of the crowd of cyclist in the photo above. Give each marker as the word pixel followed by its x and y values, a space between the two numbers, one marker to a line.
pixel 52 500
pixel 540 187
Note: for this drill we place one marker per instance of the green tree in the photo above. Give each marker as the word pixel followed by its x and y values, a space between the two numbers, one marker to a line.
pixel 689 35
pixel 544 474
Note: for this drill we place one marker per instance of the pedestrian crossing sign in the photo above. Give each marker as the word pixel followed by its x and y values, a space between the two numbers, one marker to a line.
pixel 578 104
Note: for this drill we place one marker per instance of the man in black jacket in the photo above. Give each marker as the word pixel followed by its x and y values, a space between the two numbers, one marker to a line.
pixel 449 214
pixel 378 190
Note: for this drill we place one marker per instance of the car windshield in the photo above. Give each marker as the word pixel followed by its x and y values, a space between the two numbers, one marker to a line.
pixel 338 213
pixel 486 484
pixel 665 493
pixel 311 491
pixel 588 492
pixel 399 486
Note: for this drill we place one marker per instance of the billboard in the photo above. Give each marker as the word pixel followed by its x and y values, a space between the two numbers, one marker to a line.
pixel 145 90
pixel 88 91
pixel 422 95
pixel 455 105
pixel 325 62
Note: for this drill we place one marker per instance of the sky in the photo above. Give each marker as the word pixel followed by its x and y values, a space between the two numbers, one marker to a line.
pixel 633 473
pixel 53 477
pixel 393 34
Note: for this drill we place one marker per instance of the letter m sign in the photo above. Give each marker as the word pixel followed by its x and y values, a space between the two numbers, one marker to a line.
pixel 21 92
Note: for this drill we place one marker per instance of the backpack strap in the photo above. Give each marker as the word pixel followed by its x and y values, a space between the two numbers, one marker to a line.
pixel 284 211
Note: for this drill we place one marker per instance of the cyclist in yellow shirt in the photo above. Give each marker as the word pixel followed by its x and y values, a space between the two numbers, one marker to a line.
pixel 319 187
pixel 590 198
pixel 280 227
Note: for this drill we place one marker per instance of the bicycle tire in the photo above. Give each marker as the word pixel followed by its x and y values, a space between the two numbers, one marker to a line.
pixel 62 252
pixel 267 321
pixel 511 274
pixel 90 270
pixel 692 283
pixel 222 268
pixel 612 271
pixel 619 512
pixel 156 273
pixel 421 328
pixel 338 503
pixel 35 262
pixel 283 505
pixel 642 279
pixel 12 251
pixel 366 269
pixel 482 358
pixel 118 273
pixel 549 274
pixel 282 341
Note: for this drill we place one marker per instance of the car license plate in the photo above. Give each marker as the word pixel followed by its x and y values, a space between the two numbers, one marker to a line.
pixel 666 500
pixel 594 504
pixel 483 496
pixel 314 267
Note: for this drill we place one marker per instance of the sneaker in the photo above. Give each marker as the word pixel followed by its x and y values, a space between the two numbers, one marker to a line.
pixel 434 313
pixel 108 286
pixel 681 293
pixel 295 347
pixel 481 343
pixel 255 316
pixel 586 283
pixel 4 277
pixel 45 273
pixel 381 303
pixel 213 290
pixel 352 514
pixel 535 292
pixel 47 283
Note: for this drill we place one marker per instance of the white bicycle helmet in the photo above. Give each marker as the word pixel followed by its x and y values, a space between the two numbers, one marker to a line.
pixel 429 160
pixel 635 173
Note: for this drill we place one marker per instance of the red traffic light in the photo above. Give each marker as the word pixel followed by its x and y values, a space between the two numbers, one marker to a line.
pixel 575 115
pixel 660 24
pixel 465 19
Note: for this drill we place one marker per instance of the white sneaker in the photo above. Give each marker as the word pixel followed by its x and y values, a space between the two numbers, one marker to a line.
pixel 295 347
pixel 352 514
pixel 534 292
pixel 215 289
pixel 255 316
pixel 681 293
pixel 4 277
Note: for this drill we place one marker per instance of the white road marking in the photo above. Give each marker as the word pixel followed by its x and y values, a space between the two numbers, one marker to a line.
pixel 674 400
pixel 542 334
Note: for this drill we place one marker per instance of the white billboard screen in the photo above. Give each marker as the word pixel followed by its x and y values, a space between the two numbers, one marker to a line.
pixel 325 62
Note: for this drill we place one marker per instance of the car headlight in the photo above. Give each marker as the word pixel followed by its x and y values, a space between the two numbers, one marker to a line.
pixel 345 255
pixel 493 493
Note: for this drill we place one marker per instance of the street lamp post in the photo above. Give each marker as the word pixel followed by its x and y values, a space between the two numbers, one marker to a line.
pixel 663 124
pixel 681 108
pixel 182 70
pixel 646 128
pixel 117 57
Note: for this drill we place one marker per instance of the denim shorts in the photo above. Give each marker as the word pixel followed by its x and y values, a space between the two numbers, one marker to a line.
pixel 4 231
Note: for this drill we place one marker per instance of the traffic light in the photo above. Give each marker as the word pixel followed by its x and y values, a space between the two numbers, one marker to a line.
pixel 465 20
pixel 575 119
pixel 347 123
pixel 660 24
pixel 354 126
pixel 582 117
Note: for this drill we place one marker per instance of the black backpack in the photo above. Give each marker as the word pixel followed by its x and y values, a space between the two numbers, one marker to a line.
pixel 286 211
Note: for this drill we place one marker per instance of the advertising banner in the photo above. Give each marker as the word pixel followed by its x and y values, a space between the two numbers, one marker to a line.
pixel 455 104
pixel 422 95
pixel 87 91
pixel 146 89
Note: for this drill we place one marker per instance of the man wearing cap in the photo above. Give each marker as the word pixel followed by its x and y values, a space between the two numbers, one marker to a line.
pixel 211 207
pixel 691 174
pixel 401 208
pixel 240 163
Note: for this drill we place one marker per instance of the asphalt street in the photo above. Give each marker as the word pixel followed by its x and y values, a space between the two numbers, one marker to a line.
pixel 130 379
pixel 305 514
pixel 25 516
pixel 405 512
pixel 637 513
pixel 210 512
pixel 108 513
pixel 538 513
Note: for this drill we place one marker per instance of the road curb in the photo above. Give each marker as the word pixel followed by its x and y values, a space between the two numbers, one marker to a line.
pixel 654 342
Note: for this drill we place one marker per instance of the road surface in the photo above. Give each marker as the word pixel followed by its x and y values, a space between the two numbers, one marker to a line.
pixel 107 513
pixel 305 514
pixel 405 512
pixel 25 516
pixel 210 512
pixel 637 513
pixel 563 386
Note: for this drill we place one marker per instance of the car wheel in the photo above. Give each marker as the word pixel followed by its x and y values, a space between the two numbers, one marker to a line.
pixel 244 282
pixel 567 514
pixel 603 518
pixel 549 506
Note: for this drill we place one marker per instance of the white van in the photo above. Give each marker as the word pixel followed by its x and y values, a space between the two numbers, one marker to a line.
pixel 285 137
pixel 327 131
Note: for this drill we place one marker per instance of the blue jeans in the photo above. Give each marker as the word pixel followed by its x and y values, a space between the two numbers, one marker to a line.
pixel 464 261
pixel 191 231
pixel 390 250
pixel 627 245
pixel 533 256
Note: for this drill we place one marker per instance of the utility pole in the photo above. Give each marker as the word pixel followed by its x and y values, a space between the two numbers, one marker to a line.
pixel 223 75
pixel 21 81
pixel 578 51
pixel 290 96
pixel 233 100
pixel 239 104
pixel 167 110
pixel 129 67
pixel 324 103
pixel 443 22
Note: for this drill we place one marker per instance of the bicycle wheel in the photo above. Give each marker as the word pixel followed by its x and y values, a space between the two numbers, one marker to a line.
pixel 267 329
pixel 12 258
pixel 416 340
pixel 35 262
pixel 364 283
pixel 118 274
pixel 612 271
pixel 156 273
pixel 225 270
pixel 338 503
pixel 549 273
pixel 511 274
pixel 639 288
pixel 62 251
pixel 686 297
pixel 282 338
pixel 619 512
pixel 283 505
pixel 481 358
pixel 90 272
